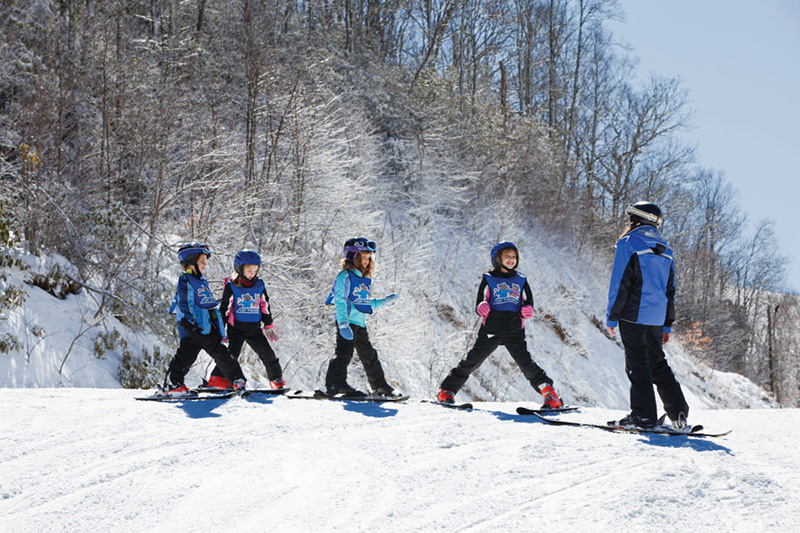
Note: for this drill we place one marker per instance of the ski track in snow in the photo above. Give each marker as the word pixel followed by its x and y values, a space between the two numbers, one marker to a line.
pixel 92 459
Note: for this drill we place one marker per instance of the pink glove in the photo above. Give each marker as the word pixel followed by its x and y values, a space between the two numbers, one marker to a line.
pixel 526 312
pixel 270 332
pixel 483 310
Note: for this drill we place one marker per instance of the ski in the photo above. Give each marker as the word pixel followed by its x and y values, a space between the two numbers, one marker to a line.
pixel 362 397
pixel 190 396
pixel 203 388
pixel 461 406
pixel 246 392
pixel 269 392
pixel 696 431
pixel 526 411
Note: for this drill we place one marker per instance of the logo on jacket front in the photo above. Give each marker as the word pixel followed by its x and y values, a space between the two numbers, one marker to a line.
pixel 503 293
pixel 247 304
pixel 204 296
pixel 361 292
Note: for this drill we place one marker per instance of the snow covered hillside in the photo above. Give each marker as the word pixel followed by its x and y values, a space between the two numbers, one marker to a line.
pixel 96 460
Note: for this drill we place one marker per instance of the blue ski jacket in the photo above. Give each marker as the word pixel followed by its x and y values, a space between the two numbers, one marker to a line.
pixel 349 293
pixel 194 301
pixel 642 288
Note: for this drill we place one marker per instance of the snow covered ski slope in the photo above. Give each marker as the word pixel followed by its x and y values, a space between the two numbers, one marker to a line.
pixel 95 460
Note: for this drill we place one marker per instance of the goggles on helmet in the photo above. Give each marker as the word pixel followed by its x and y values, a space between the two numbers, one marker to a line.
pixel 631 210
pixel 359 244
pixel 362 245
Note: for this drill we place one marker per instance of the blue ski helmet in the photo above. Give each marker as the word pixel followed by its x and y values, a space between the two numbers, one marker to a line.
pixel 189 252
pixel 499 247
pixel 358 244
pixel 245 257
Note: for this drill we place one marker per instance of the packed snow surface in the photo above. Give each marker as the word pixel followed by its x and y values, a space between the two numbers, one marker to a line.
pixel 96 460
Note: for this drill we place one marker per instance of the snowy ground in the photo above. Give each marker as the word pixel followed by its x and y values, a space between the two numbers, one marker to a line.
pixel 96 460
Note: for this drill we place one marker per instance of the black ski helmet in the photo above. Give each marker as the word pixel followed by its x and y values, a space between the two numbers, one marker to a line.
pixel 645 213
pixel 245 257
pixel 499 247
pixel 189 252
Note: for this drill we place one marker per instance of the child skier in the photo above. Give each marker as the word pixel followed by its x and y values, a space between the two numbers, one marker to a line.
pixel 350 297
pixel 641 300
pixel 199 323
pixel 504 301
pixel 245 306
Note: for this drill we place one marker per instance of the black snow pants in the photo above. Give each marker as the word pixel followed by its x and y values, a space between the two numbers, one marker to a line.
pixel 646 365
pixel 258 342
pixel 337 368
pixel 508 333
pixel 189 349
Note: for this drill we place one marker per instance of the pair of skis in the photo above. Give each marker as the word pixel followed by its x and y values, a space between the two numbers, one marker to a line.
pixel 213 393
pixel 520 410
pixel 544 415
pixel 660 429
pixel 208 393
pixel 357 396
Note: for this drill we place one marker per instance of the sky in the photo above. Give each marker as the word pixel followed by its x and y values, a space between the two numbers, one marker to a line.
pixel 740 62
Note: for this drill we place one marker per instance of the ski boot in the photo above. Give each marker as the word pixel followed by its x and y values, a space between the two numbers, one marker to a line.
pixel 278 383
pixel 343 389
pixel 633 421
pixel 386 390
pixel 446 396
pixel 239 386
pixel 551 399
pixel 218 382
pixel 680 423
pixel 174 389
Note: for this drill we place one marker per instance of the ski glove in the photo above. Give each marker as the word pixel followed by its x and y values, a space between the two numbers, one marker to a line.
pixel 190 327
pixel 345 331
pixel 484 309
pixel 391 299
pixel 526 312
pixel 271 333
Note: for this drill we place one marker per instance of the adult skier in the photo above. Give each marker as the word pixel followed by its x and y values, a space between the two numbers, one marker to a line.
pixel 641 302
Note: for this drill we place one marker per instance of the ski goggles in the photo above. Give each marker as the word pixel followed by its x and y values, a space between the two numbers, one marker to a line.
pixel 363 245
pixel 631 210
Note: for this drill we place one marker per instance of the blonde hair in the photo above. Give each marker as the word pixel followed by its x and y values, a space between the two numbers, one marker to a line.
pixel 350 265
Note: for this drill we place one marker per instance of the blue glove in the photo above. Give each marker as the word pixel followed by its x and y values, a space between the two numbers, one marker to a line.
pixel 391 298
pixel 345 331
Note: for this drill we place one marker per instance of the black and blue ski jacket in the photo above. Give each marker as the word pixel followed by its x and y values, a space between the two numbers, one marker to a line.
pixel 642 288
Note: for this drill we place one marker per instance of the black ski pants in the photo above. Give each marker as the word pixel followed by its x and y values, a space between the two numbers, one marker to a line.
pixel 258 342
pixel 189 349
pixel 337 368
pixel 646 365
pixel 514 341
